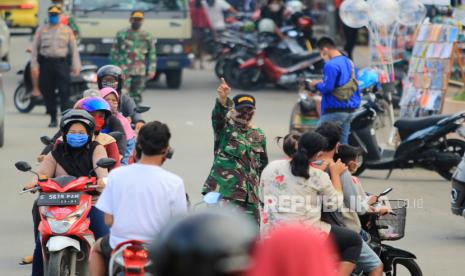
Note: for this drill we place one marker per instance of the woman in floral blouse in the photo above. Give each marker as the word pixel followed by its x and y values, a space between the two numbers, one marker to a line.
pixel 294 192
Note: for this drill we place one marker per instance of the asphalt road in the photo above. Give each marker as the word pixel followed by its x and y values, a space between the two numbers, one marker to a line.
pixel 433 233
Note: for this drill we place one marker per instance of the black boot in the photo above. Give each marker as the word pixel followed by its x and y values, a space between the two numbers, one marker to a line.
pixel 53 122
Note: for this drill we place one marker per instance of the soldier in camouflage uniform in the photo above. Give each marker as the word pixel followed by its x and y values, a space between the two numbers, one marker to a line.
pixel 133 51
pixel 240 151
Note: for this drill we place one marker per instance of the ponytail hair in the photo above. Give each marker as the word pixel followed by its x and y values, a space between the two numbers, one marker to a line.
pixel 309 144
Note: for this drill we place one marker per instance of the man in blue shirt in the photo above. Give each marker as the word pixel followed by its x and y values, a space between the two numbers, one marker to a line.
pixel 338 73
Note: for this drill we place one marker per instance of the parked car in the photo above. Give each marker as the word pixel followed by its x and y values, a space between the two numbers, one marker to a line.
pixel 4 40
pixel 20 13
pixel 4 67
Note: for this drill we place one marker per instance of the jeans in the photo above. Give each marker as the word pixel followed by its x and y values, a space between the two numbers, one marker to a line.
pixel 97 226
pixel 343 119
pixel 129 148
pixel 368 260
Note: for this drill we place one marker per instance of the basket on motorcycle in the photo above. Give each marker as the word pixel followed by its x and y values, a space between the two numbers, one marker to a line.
pixel 391 227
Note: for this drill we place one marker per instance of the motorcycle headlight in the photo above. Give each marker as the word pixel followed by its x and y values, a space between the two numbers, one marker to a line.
pixel 166 49
pixel 178 49
pixel 91 48
pixel 63 226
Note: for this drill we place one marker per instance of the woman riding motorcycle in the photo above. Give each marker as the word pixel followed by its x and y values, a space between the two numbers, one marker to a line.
pixel 100 110
pixel 112 76
pixel 76 156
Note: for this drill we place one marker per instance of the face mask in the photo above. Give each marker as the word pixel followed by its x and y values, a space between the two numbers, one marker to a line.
pixel 53 19
pixel 275 7
pixel 76 140
pixel 99 123
pixel 246 115
pixel 136 25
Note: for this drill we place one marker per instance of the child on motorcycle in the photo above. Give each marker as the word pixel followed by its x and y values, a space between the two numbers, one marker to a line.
pixel 76 156
pixel 112 97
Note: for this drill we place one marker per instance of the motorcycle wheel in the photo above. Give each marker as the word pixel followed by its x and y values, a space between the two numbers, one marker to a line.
pixel 408 264
pixel 219 71
pixel 246 79
pixel 22 99
pixel 231 71
pixel 456 147
pixel 58 264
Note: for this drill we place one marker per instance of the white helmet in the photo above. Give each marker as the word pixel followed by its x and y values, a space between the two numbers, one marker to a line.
pixel 295 6
pixel 266 25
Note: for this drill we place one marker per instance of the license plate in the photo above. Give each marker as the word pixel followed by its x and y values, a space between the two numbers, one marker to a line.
pixel 59 199
pixel 108 40
pixel 172 64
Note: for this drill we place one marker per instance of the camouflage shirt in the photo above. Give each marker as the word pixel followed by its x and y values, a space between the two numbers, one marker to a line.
pixel 133 51
pixel 240 157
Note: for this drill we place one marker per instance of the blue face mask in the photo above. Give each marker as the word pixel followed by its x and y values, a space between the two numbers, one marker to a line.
pixel 53 19
pixel 76 140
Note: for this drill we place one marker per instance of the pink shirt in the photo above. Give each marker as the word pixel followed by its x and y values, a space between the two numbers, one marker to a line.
pixel 128 131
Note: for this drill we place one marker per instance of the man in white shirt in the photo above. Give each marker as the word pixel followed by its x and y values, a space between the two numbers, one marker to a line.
pixel 215 9
pixel 139 199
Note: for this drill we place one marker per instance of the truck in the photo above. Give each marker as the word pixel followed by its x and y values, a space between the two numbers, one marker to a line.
pixel 167 20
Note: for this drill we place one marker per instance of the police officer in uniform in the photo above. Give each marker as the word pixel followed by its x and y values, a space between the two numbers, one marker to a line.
pixel 53 48
pixel 134 52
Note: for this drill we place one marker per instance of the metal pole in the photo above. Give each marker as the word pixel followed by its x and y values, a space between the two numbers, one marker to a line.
pixel 332 18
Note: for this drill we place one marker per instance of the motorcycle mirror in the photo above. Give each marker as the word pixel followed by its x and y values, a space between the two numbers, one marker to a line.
pixel 5 67
pixel 23 166
pixel 212 198
pixel 141 109
pixel 46 140
pixel 106 163
pixel 385 192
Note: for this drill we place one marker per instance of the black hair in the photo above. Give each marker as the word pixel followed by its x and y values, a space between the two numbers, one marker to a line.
pixel 325 42
pixel 309 144
pixel 153 138
pixel 211 3
pixel 332 132
pixel 347 153
pixel 198 4
pixel 290 143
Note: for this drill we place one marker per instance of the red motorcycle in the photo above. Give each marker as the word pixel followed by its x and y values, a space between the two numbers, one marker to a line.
pixel 64 206
pixel 260 69
pixel 130 258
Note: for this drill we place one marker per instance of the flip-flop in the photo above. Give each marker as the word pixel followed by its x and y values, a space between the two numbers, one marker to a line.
pixel 26 260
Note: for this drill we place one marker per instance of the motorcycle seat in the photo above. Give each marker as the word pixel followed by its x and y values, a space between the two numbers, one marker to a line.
pixel 63 180
pixel 411 125
pixel 303 56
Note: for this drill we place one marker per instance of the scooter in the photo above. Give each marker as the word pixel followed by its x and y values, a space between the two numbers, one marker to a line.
pixel 130 258
pixel 64 204
pixel 22 96
pixel 458 190
pixel 390 227
pixel 423 143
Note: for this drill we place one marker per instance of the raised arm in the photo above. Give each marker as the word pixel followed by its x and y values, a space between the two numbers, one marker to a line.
pixel 222 106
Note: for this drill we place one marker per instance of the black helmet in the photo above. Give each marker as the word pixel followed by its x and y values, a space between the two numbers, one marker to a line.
pixel 77 115
pixel 110 70
pixel 211 243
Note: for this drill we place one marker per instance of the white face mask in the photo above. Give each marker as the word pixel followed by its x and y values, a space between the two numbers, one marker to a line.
pixel 275 7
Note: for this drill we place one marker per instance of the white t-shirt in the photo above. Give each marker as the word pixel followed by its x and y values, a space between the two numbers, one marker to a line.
pixel 142 199
pixel 215 14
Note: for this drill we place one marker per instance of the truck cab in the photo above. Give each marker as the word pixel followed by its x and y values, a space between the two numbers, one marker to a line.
pixel 167 20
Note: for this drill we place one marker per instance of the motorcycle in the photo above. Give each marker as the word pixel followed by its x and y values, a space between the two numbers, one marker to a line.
pixel 130 258
pixel 64 228
pixel 260 69
pixel 458 190
pixel 423 143
pixel 390 227
pixel 22 96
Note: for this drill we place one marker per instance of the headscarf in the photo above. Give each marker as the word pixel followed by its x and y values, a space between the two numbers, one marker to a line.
pixel 294 250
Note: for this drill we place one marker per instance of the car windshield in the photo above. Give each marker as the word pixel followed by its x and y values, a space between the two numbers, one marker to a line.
pixel 129 5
